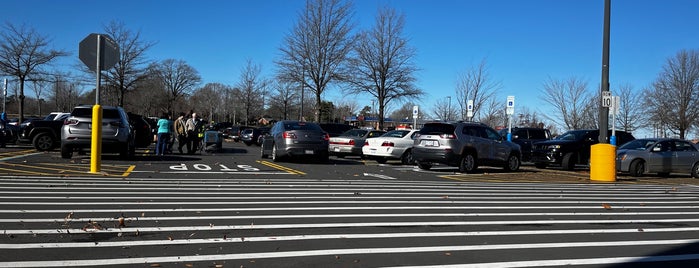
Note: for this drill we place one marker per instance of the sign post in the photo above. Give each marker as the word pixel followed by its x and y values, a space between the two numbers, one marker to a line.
pixel 98 52
pixel 616 101
pixel 510 110
pixel 415 113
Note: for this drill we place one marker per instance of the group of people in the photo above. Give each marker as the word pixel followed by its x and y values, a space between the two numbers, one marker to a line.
pixel 187 129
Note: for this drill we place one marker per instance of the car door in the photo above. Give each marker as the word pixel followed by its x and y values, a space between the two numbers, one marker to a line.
pixel 660 157
pixel 498 150
pixel 684 155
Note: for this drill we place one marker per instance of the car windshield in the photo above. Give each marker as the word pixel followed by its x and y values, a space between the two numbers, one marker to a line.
pixel 301 126
pixel 437 129
pixel 355 133
pixel 641 144
pixel 396 133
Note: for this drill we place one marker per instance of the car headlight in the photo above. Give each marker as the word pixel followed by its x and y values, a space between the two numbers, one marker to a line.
pixel 621 157
pixel 554 146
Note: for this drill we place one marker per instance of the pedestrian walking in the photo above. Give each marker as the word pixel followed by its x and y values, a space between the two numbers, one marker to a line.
pixel 164 132
pixel 181 133
pixel 193 126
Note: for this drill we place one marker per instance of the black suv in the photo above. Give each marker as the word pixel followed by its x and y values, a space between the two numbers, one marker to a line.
pixel 464 144
pixel 526 137
pixel 571 148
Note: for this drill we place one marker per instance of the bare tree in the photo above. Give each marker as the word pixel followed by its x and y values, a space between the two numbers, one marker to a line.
pixel 475 84
pixel 177 77
pixel 673 99
pixel 282 101
pixel 23 51
pixel 132 63
pixel 569 99
pixel 442 109
pixel 404 113
pixel 382 62
pixel 317 46
pixel 38 86
pixel 631 116
pixel 251 86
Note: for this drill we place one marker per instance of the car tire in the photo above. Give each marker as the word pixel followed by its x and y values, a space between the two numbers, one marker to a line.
pixel 424 165
pixel 66 152
pixel 637 168
pixel 381 160
pixel 275 154
pixel 43 142
pixel 407 158
pixel 695 170
pixel 248 143
pixel 467 164
pixel 568 162
pixel 512 163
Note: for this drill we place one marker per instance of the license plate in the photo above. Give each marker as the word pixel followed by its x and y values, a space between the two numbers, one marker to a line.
pixel 309 151
pixel 430 143
pixel 337 149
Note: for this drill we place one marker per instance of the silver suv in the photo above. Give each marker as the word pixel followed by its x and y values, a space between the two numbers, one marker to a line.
pixel 117 133
pixel 466 145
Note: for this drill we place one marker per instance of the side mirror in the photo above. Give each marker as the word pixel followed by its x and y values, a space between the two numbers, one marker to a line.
pixel 657 149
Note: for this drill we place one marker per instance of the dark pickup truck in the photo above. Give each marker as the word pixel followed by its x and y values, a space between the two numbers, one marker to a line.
pixel 44 135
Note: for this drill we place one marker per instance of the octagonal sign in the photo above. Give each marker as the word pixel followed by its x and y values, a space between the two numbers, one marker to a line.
pixel 109 51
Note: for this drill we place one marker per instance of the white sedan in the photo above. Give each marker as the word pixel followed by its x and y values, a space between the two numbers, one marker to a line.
pixel 396 144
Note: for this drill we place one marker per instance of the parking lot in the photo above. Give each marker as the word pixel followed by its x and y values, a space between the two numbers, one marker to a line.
pixel 237 159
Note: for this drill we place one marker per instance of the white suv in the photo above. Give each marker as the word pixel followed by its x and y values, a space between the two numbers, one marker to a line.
pixel 117 133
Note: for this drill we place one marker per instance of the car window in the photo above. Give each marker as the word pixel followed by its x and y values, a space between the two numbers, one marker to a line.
pixel 471 131
pixel 684 146
pixel 437 129
pixel 396 133
pixel 638 144
pixel 520 133
pixel 537 134
pixel 491 134
pixel 301 126
pixel 375 134
pixel 355 132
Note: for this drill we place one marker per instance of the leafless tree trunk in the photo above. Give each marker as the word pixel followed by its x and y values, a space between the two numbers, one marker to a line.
pixel 631 116
pixel 569 99
pixel 132 63
pixel 251 86
pixel 475 84
pixel 317 46
pixel 22 52
pixel 442 109
pixel 177 77
pixel 38 86
pixel 382 63
pixel 674 97
pixel 282 100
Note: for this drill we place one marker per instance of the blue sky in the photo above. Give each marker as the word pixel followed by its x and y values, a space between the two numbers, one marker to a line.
pixel 524 42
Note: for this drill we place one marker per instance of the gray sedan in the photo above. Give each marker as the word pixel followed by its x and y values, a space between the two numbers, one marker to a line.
pixel 290 138
pixel 658 155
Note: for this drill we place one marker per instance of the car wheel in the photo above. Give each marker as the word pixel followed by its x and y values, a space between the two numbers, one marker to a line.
pixel 248 143
pixel 637 168
pixel 381 160
pixel 540 165
pixel 467 163
pixel 424 165
pixel 43 142
pixel 66 152
pixel 695 170
pixel 407 158
pixel 568 162
pixel 512 163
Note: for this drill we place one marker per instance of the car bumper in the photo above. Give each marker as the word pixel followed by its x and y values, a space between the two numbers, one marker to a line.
pixel 387 152
pixel 445 156
pixel 344 150
pixel 547 157
pixel 306 150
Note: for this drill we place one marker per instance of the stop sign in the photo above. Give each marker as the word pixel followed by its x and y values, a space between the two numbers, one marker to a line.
pixel 109 51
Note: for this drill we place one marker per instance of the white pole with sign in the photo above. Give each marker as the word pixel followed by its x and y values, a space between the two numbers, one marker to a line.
pixel 469 109
pixel 510 111
pixel 415 112
pixel 615 103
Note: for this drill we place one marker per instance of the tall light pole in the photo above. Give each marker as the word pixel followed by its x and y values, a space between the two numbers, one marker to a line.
pixel 604 111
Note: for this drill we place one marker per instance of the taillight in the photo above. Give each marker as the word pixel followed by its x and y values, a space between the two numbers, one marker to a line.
pixel 351 142
pixel 366 143
pixel 447 136
pixel 326 137
pixel 387 144
pixel 289 135
pixel 70 122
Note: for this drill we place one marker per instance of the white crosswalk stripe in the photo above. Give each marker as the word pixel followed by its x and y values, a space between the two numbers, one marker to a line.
pixel 57 222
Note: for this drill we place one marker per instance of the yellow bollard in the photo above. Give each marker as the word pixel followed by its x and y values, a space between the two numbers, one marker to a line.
pixel 603 162
pixel 96 142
